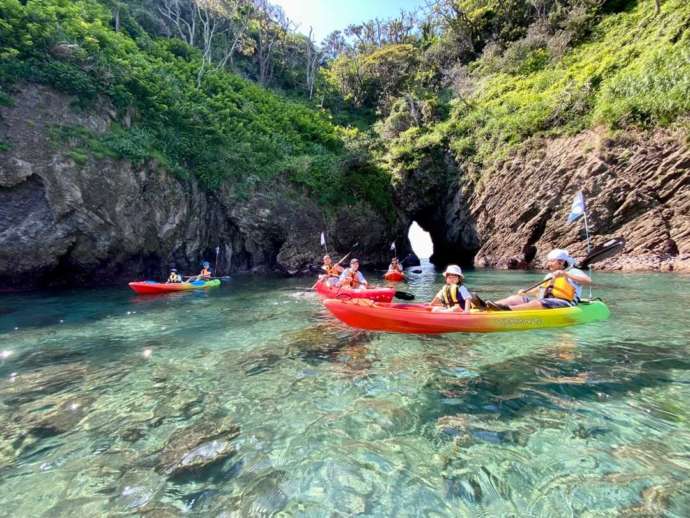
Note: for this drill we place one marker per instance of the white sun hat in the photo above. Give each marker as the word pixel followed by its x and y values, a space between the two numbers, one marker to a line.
pixel 560 254
pixel 453 269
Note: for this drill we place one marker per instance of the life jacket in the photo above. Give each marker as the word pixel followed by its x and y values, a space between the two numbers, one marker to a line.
pixel 354 282
pixel 331 271
pixel 450 296
pixel 559 288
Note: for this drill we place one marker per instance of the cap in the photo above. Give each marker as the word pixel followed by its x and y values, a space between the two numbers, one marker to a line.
pixel 453 269
pixel 560 254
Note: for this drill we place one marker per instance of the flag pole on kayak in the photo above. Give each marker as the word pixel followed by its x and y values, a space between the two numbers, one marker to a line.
pixel 577 210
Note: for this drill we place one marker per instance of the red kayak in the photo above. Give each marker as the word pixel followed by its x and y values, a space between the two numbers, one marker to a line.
pixel 375 294
pixel 394 276
pixel 154 288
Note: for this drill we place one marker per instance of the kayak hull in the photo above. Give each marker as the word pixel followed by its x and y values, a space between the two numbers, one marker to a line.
pixel 155 288
pixel 394 276
pixel 418 318
pixel 374 294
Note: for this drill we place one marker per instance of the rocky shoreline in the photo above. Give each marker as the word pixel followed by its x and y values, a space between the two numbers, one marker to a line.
pixel 70 218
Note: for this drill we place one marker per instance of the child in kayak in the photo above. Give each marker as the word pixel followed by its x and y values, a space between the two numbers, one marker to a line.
pixel 352 277
pixel 395 266
pixel 333 271
pixel 561 287
pixel 454 296
pixel 174 277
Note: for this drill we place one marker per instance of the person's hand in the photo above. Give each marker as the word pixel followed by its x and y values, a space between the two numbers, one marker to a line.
pixel 521 292
pixel 559 273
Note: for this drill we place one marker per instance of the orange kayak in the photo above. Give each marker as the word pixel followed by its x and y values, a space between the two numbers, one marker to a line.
pixel 375 294
pixel 418 318
pixel 394 276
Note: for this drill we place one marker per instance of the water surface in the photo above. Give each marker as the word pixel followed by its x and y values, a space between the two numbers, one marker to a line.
pixel 250 400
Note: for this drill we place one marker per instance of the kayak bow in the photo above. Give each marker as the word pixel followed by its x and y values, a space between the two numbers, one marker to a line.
pixel 394 276
pixel 419 319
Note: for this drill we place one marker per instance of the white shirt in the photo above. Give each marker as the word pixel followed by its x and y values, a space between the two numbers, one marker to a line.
pixel 578 287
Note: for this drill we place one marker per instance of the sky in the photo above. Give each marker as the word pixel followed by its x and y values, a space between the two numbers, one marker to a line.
pixel 327 16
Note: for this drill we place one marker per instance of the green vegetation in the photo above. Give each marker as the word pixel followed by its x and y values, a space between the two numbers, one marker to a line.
pixel 477 78
pixel 221 128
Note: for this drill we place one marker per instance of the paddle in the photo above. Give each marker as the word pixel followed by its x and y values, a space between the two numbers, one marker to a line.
pixel 404 295
pixel 608 249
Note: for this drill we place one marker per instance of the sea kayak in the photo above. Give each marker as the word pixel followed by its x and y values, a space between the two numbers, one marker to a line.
pixel 394 276
pixel 375 294
pixel 419 319
pixel 154 288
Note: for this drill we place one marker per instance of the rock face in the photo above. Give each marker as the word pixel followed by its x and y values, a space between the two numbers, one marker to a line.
pixel 68 217
pixel 636 186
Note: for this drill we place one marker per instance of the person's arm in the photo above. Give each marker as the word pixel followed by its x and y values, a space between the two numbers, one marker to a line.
pixel 578 276
pixel 436 301
pixel 362 280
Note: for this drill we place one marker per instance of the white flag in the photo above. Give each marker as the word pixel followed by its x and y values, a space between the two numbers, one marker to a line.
pixel 393 245
pixel 323 239
pixel 578 207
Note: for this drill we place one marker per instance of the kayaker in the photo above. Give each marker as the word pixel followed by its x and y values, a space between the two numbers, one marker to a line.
pixel 204 274
pixel 352 277
pixel 454 296
pixel 333 271
pixel 561 287
pixel 395 266
pixel 174 277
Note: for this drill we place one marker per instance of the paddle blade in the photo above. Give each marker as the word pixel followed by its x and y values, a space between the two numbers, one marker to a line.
pixel 403 295
pixel 608 249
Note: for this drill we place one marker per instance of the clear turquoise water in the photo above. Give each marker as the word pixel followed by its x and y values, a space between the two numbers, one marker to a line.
pixel 583 421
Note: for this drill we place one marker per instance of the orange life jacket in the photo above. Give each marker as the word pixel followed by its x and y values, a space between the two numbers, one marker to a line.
pixel 559 288
pixel 354 282
pixel 332 270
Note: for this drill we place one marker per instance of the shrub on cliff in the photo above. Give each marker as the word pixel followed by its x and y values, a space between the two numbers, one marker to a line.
pixel 223 128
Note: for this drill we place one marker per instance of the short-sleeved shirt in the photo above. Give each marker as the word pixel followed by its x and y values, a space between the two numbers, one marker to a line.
pixel 358 276
pixel 463 294
pixel 577 286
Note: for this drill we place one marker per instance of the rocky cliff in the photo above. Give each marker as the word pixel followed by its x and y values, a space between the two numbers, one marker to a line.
pixel 69 217
pixel 636 185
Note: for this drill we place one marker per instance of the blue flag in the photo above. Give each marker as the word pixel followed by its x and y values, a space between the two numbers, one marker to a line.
pixel 578 207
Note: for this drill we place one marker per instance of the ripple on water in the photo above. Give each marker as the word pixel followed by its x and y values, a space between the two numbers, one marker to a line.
pixel 115 404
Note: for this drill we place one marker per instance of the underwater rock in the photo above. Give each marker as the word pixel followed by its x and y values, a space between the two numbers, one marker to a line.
pixel 197 446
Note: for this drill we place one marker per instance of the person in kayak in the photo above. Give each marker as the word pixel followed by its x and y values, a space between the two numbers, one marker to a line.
pixel 204 274
pixel 395 266
pixel 561 287
pixel 352 277
pixel 454 296
pixel 333 271
pixel 174 277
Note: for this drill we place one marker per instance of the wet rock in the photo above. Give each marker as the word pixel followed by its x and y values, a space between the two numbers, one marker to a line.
pixel 197 446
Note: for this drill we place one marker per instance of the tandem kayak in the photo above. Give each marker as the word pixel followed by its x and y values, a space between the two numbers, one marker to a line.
pixel 394 276
pixel 375 294
pixel 419 319
pixel 154 288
